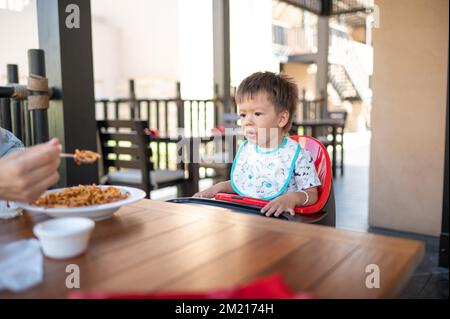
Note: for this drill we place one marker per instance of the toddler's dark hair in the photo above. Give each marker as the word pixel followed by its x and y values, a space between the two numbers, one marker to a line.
pixel 281 90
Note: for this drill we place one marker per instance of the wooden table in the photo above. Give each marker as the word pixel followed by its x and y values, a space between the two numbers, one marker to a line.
pixel 158 246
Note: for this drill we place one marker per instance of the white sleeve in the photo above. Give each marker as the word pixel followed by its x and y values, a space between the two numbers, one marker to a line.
pixel 305 173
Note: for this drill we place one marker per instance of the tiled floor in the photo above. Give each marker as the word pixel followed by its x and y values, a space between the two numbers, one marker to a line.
pixel 351 193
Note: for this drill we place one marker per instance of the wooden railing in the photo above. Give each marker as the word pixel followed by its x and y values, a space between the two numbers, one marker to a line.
pixel 23 108
pixel 168 118
pixel 197 117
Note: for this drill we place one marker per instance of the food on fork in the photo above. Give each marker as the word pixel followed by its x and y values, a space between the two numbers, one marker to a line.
pixel 85 157
pixel 81 195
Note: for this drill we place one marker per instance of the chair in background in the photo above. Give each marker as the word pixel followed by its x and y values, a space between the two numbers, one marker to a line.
pixel 126 158
pixel 338 136
pixel 329 131
pixel 165 116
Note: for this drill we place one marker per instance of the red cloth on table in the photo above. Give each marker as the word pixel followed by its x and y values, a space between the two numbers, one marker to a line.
pixel 270 287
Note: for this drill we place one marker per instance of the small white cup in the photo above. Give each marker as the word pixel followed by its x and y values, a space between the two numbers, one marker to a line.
pixel 64 237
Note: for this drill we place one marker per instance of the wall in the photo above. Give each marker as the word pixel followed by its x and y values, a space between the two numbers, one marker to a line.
pixel 18 33
pixel 131 39
pixel 195 33
pixel 305 79
pixel 408 118
pixel 139 39
pixel 304 76
pixel 108 66
pixel 251 38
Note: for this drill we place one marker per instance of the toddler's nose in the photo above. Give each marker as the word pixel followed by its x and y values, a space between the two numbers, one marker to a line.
pixel 247 121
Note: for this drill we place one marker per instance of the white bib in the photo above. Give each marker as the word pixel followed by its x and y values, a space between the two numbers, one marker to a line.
pixel 264 174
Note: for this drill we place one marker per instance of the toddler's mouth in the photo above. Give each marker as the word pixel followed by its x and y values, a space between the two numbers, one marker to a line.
pixel 250 132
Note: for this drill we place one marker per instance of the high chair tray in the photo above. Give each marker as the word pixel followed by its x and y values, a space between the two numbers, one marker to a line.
pixel 257 202
pixel 247 209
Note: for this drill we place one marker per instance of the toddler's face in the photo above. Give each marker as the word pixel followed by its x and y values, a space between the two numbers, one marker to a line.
pixel 260 121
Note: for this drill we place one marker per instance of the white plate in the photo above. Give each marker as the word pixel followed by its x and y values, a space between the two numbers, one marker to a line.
pixel 95 212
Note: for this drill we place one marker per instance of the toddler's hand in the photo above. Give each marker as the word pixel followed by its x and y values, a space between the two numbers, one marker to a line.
pixel 207 193
pixel 283 203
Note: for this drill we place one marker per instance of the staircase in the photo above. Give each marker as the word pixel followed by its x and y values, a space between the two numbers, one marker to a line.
pixel 299 44
pixel 351 6
pixel 341 82
pixel 346 71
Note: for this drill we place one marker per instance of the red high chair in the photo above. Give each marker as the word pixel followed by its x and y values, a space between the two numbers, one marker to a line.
pixel 322 212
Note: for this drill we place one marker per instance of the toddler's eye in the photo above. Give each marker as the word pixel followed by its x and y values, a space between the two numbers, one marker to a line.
pixel 242 115
pixel 258 114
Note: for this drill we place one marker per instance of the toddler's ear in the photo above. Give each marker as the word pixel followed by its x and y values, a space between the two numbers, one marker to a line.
pixel 283 119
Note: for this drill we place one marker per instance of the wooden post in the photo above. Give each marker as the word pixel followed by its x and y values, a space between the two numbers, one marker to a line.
pixel 133 103
pixel 322 63
pixel 221 50
pixel 180 107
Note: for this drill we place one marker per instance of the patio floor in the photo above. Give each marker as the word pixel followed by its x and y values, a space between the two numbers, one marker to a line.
pixel 351 191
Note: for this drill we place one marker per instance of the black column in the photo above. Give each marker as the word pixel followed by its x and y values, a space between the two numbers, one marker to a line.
pixel 5 112
pixel 36 66
pixel 68 51
pixel 16 107
pixel 327 8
